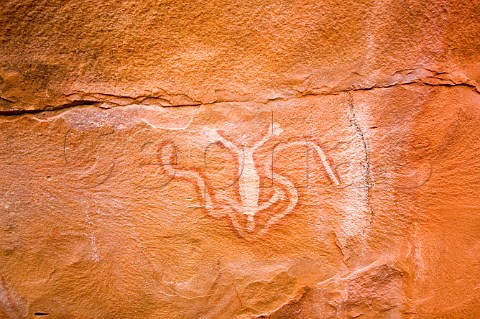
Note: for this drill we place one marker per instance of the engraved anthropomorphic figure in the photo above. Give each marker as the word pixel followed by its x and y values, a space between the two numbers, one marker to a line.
pixel 285 195
pixel 248 177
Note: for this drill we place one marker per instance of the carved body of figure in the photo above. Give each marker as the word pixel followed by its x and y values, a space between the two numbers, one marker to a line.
pixel 248 183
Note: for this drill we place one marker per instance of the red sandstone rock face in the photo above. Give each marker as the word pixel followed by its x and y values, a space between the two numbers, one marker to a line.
pixel 313 159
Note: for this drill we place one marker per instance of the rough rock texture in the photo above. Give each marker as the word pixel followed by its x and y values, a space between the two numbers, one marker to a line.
pixel 239 159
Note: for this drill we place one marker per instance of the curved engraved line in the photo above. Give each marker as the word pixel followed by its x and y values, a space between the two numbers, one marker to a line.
pixel 234 204
pixel 239 209
pixel 163 164
pixel 90 170
pixel 164 184
pixel 430 172
pixel 336 146
pixel 267 169
pixel 107 176
pixel 234 219
pixel 144 145
pixel 241 169
pixel 271 201
pixel 343 186
pixel 199 181
pixel 65 137
pixel 320 152
pixel 292 198
pixel 283 145
pixel 264 139
pixel 233 216
pixel 326 164
pixel 238 228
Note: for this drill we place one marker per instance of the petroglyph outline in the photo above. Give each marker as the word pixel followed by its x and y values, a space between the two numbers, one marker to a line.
pixel 248 183
pixel 108 173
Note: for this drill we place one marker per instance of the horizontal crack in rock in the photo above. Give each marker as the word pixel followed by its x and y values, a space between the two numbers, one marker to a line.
pixel 78 103
pixel 103 100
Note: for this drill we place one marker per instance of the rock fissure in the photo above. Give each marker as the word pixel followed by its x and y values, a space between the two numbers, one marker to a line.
pixel 107 100
pixel 358 129
pixel 62 107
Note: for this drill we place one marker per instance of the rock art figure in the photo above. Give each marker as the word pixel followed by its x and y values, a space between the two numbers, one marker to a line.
pixel 218 204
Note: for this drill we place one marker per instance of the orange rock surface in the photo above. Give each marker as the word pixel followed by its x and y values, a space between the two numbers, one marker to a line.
pixel 228 159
